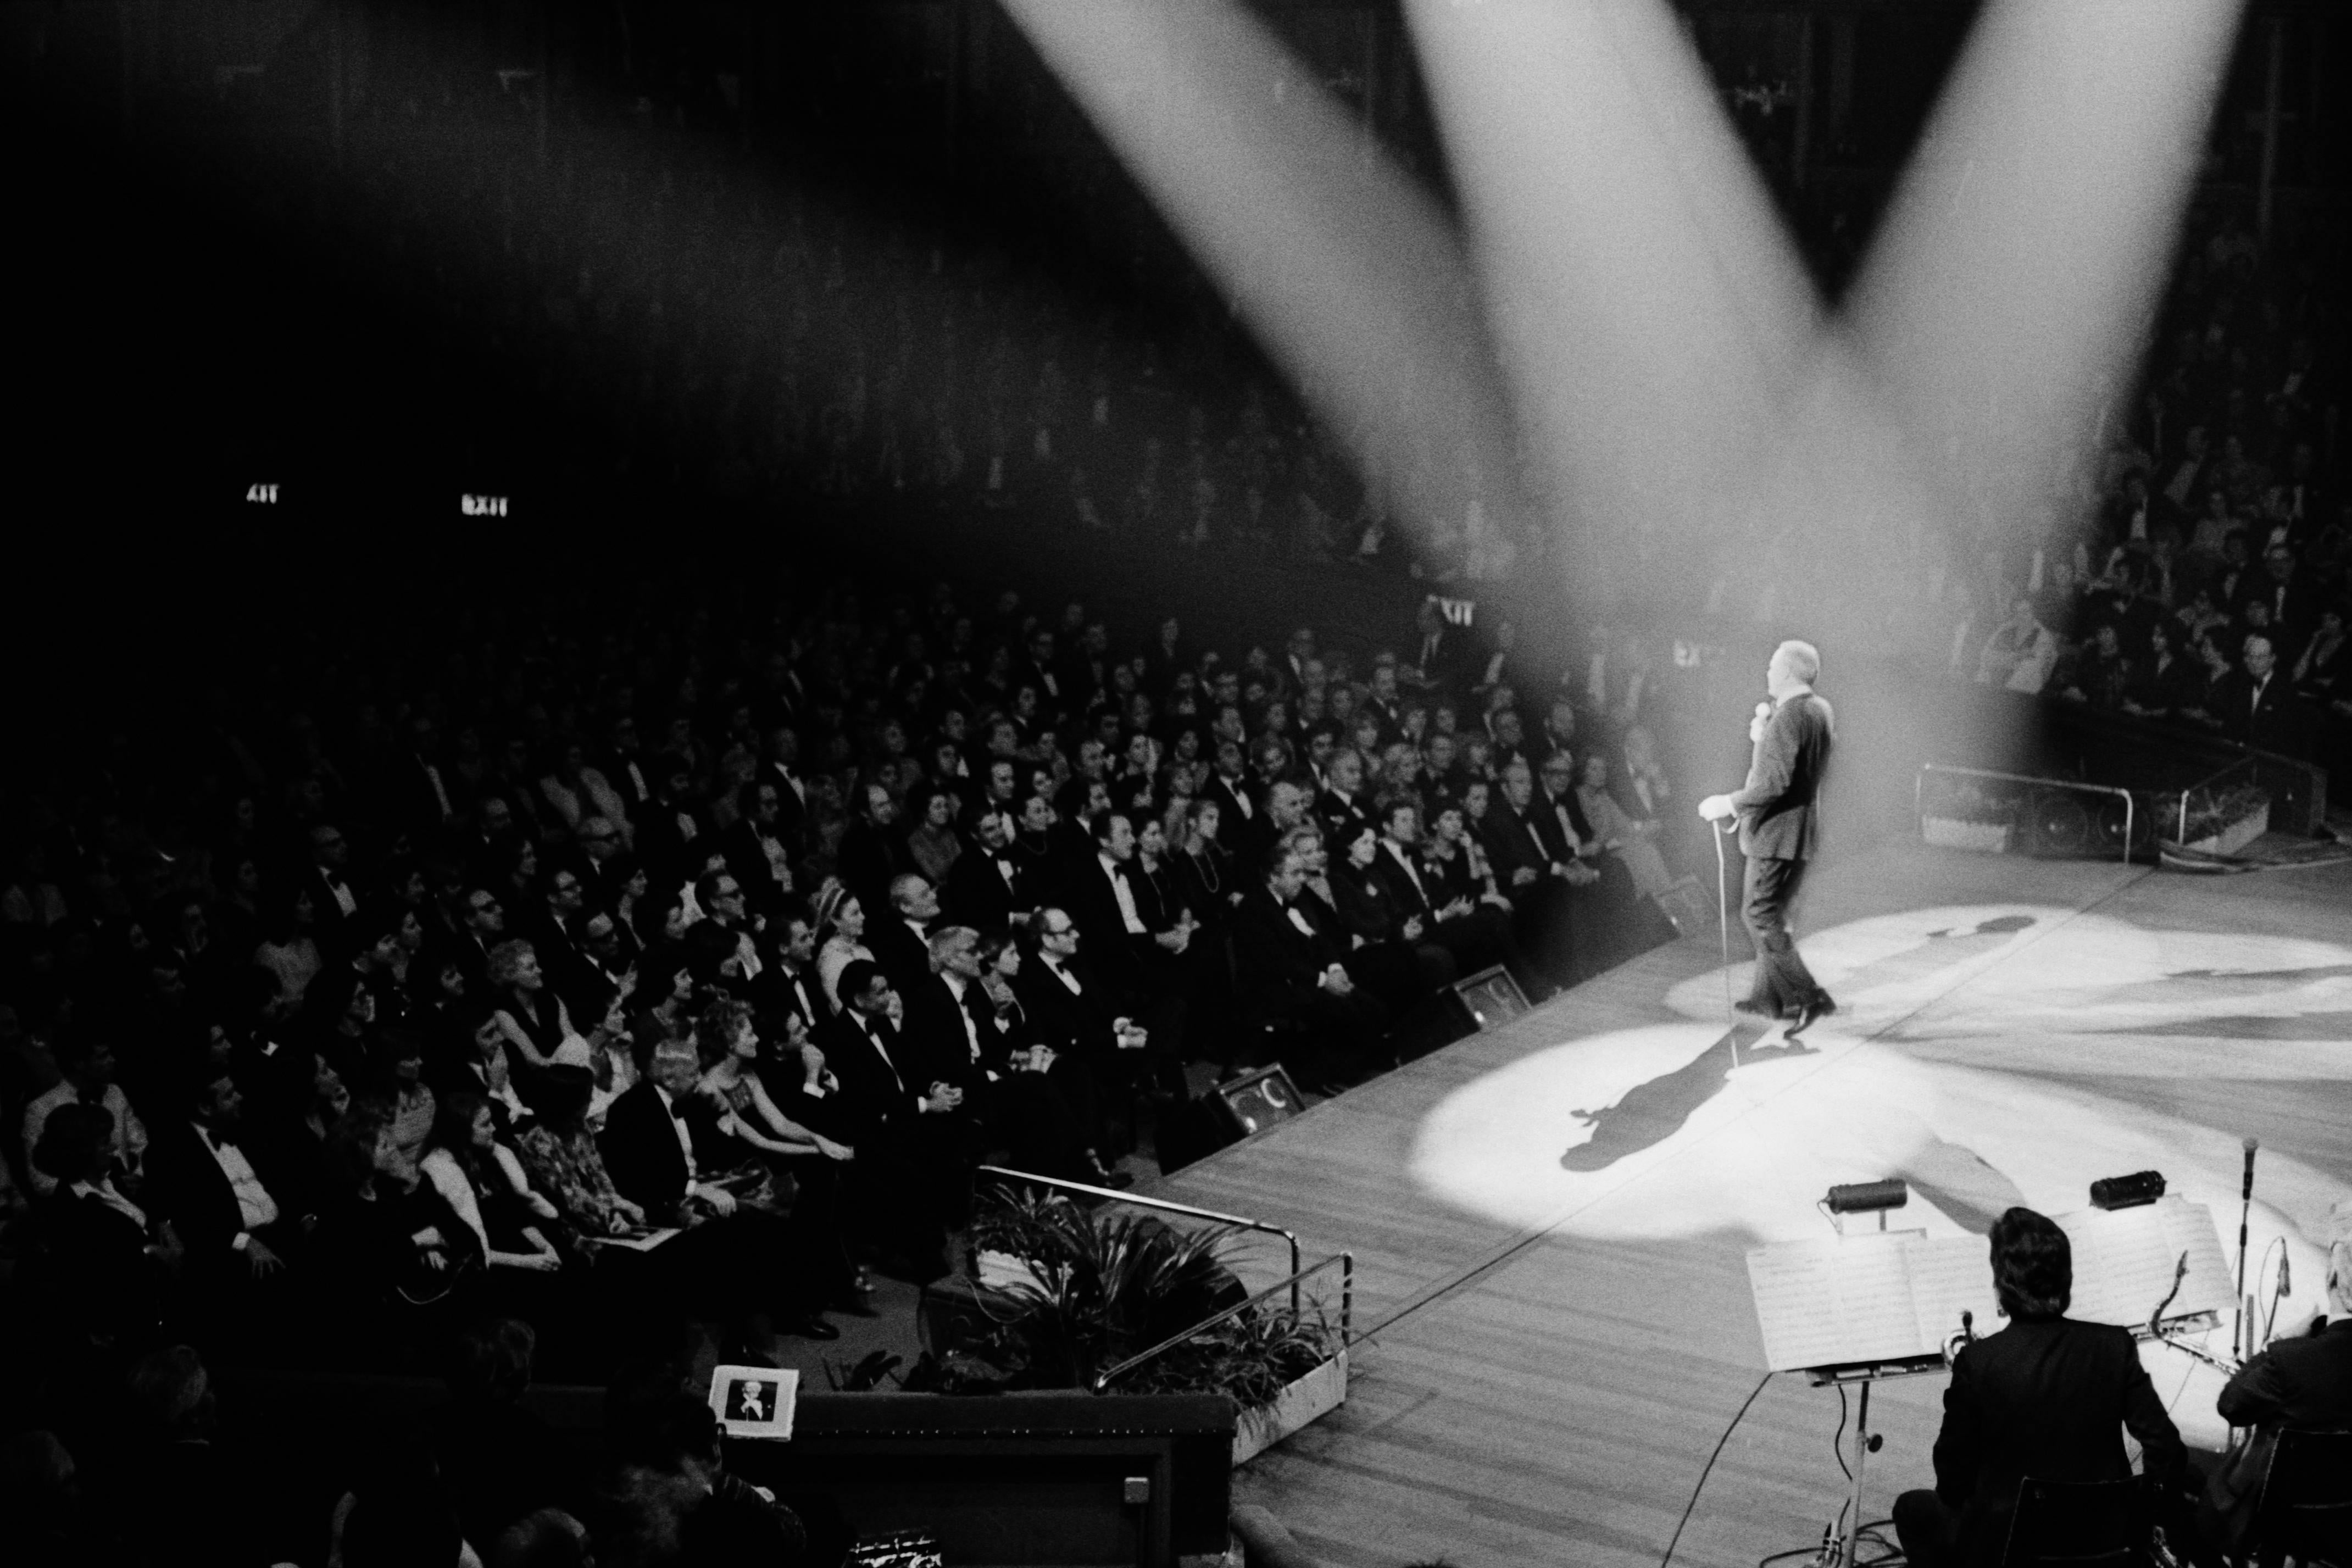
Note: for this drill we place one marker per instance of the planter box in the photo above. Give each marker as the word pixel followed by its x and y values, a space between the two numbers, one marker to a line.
pixel 2238 834
pixel 1951 833
pixel 1323 1390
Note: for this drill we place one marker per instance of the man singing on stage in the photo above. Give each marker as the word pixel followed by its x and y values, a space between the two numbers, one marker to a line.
pixel 1779 828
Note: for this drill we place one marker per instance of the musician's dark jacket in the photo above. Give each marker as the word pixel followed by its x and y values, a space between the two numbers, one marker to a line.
pixel 2295 1386
pixel 2045 1398
pixel 1779 806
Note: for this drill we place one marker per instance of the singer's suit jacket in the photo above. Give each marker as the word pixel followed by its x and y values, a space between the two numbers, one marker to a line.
pixel 1780 806
pixel 2043 1398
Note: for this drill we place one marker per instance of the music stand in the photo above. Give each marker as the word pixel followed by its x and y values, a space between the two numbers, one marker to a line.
pixel 1841 1553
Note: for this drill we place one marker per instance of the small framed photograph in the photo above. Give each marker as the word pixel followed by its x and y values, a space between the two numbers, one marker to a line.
pixel 754 1401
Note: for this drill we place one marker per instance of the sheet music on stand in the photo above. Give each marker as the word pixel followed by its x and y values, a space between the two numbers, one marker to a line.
pixel 1891 1296
pixel 1898 1295
pixel 2124 1259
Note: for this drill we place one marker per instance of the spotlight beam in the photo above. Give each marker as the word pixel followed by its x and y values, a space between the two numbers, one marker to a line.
pixel 2004 306
pixel 1648 309
pixel 1348 273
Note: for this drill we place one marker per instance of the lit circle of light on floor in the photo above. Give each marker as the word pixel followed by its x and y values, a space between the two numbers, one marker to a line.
pixel 1988 1055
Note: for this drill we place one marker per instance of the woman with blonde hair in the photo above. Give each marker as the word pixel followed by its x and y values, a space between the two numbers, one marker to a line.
pixel 841 930
pixel 534 1019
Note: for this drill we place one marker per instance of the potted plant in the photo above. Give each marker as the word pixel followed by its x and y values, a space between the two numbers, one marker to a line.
pixel 1076 1291
pixel 1961 814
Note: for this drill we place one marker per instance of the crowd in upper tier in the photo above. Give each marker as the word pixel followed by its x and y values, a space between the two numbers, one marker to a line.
pixel 2209 584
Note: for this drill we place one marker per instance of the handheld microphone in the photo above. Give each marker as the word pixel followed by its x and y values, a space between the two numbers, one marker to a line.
pixel 1968 1325
pixel 2248 1191
pixel 2286 1273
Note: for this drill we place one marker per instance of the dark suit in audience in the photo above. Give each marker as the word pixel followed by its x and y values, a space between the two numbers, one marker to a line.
pixel 903 1181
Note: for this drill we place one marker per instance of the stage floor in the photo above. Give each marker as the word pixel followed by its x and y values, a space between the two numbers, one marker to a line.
pixel 1550 1221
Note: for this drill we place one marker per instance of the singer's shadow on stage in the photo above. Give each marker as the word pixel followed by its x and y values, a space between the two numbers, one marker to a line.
pixel 1649 1114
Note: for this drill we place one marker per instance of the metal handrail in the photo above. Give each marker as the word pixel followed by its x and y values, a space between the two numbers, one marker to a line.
pixel 1347 1262
pixel 1166 1207
pixel 1918 801
pixel 2206 783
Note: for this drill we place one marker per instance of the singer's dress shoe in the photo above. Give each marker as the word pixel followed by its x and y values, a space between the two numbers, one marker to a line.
pixel 1820 1006
pixel 1754 1008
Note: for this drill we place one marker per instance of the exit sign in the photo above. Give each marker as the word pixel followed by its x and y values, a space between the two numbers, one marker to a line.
pixel 482 506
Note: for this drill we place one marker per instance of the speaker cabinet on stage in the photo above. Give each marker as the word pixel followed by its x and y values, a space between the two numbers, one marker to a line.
pixel 1491 999
pixel 1236 1109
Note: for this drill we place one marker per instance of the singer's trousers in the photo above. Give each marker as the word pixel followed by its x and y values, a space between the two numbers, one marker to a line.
pixel 1782 982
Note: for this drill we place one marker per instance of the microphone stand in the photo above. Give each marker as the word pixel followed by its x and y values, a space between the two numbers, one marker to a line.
pixel 2238 1313
pixel 1719 831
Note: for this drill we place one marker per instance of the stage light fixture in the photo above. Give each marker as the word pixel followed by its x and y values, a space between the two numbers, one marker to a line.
pixel 1866 1197
pixel 2128 1191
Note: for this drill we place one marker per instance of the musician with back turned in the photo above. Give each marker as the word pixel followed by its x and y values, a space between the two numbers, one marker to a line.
pixel 2047 1397
pixel 2302 1384
pixel 1779 810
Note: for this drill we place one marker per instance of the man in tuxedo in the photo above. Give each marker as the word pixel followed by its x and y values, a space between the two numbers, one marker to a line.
pixel 553 928
pixel 602 872
pixel 338 904
pixel 1132 939
pixel 1477 934
pixel 1779 830
pixel 479 925
pixel 873 849
pixel 896 1117
pixel 1078 1010
pixel 625 767
pixel 661 1141
pixel 424 795
pixel 1557 736
pixel 900 940
pixel 201 1178
pixel 1539 872
pixel 1292 976
pixel 1040 1105
pixel 2047 1397
pixel 1382 703
pixel 783 770
pixel 1341 804
pixel 790 984
pixel 673 832
pixel 663 1146
pixel 759 849
pixel 987 887
pixel 1104 901
pixel 1287 804
pixel 1230 786
pixel 721 894
pixel 1438 655
pixel 2257 705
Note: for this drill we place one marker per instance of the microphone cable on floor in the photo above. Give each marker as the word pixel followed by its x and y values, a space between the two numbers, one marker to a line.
pixel 1708 1468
